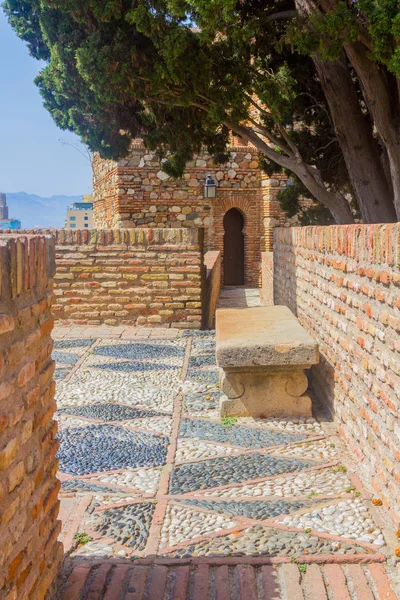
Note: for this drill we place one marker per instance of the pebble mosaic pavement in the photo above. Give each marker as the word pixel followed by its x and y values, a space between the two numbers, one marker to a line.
pixel 150 469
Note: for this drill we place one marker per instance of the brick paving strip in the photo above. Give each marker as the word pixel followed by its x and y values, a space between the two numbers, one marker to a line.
pixel 153 573
pixel 161 508
pixel 225 579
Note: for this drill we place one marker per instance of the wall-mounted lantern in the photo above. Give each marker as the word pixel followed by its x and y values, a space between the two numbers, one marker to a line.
pixel 210 187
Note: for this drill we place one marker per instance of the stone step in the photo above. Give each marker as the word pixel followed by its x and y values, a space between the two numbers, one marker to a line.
pixel 239 297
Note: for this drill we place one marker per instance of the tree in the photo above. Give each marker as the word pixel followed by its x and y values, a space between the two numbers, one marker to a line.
pixel 183 73
pixel 367 34
pixel 292 202
pixel 85 152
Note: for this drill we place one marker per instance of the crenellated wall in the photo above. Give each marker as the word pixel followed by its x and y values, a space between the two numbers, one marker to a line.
pixel 343 282
pixel 148 277
pixel 29 552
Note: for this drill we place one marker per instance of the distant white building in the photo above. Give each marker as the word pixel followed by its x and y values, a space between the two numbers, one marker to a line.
pixel 7 224
pixel 80 214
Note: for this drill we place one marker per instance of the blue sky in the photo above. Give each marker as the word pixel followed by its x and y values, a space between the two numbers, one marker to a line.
pixel 31 157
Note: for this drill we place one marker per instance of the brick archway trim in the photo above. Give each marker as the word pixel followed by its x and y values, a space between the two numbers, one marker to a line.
pixel 249 206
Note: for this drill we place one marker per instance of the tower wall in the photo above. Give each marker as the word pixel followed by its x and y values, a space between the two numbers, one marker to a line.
pixel 135 192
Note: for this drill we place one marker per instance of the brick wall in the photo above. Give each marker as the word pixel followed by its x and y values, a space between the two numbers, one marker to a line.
pixel 344 284
pixel 267 278
pixel 212 263
pixel 250 210
pixel 29 551
pixel 134 276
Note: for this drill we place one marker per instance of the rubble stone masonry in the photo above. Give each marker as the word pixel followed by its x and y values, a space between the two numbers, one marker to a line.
pixel 135 192
pixel 141 276
pixel 343 282
pixel 29 551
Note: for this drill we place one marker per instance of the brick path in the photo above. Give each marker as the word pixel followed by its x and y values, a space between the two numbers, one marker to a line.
pixel 219 579
pixel 75 332
pixel 161 500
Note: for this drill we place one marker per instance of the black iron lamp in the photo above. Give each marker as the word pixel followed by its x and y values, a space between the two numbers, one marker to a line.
pixel 210 187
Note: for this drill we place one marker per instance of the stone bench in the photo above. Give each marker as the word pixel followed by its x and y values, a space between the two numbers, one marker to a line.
pixel 263 352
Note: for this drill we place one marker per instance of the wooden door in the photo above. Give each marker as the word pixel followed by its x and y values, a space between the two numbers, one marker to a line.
pixel 233 248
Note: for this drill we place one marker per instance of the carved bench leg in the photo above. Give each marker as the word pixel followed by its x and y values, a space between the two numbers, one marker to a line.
pixel 265 393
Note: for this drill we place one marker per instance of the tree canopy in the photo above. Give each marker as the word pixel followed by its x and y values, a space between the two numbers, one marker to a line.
pixel 312 84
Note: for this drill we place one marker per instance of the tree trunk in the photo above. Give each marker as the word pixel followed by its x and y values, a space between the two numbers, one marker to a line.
pixel 333 201
pixel 384 110
pixel 360 149
pixel 376 200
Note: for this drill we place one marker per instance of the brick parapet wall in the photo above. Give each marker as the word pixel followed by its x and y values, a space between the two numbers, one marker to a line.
pixel 271 212
pixel 267 278
pixel 138 276
pixel 343 282
pixel 29 551
pixel 213 266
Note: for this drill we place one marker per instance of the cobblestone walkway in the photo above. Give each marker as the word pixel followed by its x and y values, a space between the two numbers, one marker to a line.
pixel 148 470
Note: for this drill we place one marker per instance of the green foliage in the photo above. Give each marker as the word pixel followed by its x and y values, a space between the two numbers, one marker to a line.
pixel 181 73
pixel 339 469
pixel 302 568
pixel 171 71
pixel 25 19
pixel 82 538
pixel 290 199
pixel 384 28
pixel 229 421
pixel 325 33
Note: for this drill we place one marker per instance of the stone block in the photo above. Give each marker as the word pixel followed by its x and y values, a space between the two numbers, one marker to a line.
pixel 26 374
pixel 8 453
pixel 6 323
pixel 263 353
pixel 16 476
pixel 263 336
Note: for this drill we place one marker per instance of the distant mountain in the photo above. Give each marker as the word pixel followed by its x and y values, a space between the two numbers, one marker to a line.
pixel 35 211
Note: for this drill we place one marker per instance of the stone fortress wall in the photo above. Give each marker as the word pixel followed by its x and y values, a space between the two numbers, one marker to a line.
pixel 29 552
pixel 343 282
pixel 135 192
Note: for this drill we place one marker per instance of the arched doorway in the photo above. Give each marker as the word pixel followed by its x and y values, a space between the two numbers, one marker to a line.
pixel 233 248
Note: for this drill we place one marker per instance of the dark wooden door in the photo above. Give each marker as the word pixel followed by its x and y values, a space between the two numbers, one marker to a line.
pixel 233 248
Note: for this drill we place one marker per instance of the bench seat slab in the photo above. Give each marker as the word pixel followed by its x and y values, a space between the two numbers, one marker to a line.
pixel 263 352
